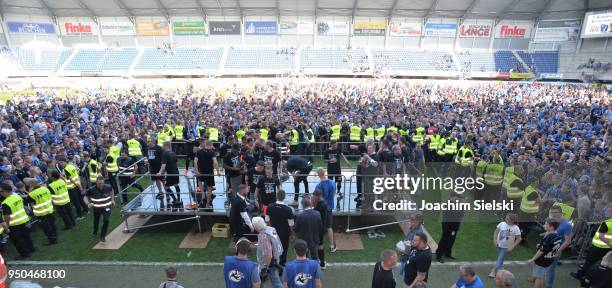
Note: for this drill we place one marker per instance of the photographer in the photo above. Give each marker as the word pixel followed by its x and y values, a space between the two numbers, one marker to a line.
pixel 269 250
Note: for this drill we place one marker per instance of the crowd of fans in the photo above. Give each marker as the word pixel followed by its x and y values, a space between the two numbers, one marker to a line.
pixel 554 135
pixel 595 65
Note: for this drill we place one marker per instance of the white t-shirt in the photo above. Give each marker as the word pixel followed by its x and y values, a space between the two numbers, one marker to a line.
pixel 507 234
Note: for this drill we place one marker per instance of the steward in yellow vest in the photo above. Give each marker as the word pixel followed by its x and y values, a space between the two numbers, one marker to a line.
pixel 71 177
pixel 419 135
pixel 369 133
pixel 600 245
pixel 213 134
pixel 465 157
pixel 355 133
pixel 15 217
pixel 42 208
pixel 380 133
pixel 61 199
pixel 335 133
pixel 264 134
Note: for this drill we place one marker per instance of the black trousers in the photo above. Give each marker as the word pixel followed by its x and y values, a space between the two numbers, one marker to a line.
pixel 285 242
pixel 593 255
pixel 449 233
pixel 105 213
pixel 238 230
pixel 47 223
pixel 77 200
pixel 301 176
pixel 65 213
pixel 125 182
pixel 20 236
pixel 113 182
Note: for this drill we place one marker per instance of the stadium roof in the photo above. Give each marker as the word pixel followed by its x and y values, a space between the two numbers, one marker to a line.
pixel 497 9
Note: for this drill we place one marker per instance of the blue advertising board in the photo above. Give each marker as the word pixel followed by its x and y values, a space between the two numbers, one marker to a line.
pixel 440 29
pixel 31 28
pixel 260 28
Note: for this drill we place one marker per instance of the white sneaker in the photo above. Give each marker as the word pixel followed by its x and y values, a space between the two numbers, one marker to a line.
pixel 492 274
pixel 333 248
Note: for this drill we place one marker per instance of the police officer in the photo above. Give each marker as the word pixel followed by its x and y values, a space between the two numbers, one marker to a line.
pixel 101 198
pixel 126 164
pixel 301 272
pixel 61 199
pixel 42 208
pixel 15 217
pixel 239 271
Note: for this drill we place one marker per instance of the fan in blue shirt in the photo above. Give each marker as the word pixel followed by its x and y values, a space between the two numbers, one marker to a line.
pixel 468 278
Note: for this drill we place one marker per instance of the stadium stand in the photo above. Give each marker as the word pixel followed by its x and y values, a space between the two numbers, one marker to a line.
pixel 331 59
pixel 541 61
pixel 195 58
pixel 86 60
pixel 260 58
pixel 413 60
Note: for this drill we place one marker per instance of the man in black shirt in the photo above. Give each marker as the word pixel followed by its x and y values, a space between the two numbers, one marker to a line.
pixel 205 164
pixel 253 176
pixel 154 158
pixel 369 169
pixel 383 270
pixel 265 193
pixel 233 166
pixel 300 168
pixel 281 217
pixel 240 223
pixel 384 157
pixel 326 217
pixel 170 167
pixel 100 198
pixel 332 156
pixel 271 157
pixel 309 227
pixel 419 260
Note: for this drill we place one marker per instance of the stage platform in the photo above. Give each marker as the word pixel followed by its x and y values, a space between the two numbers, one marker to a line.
pixel 145 203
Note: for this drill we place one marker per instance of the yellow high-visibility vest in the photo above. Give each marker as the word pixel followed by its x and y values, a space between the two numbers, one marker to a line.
pixel 263 133
pixel 335 135
pixel 295 140
pixel 369 133
pixel 450 147
pixel 178 132
pixel 112 166
pixel 161 138
pixel 239 135
pixel 355 133
pixel 513 191
pixel 597 242
pixel 18 214
pixel 72 175
pixel 481 166
pixel 60 192
pixel 134 148
pixel 392 129
pixel 311 138
pixel 441 144
pixel 380 133
pixel 433 142
pixel 464 160
pixel 43 203
pixel 529 206
pixel 567 210
pixel 418 136
pixel 93 175
pixel 213 134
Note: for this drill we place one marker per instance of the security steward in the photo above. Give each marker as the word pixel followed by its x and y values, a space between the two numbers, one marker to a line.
pixel 61 199
pixel 93 170
pixel 15 217
pixel 530 208
pixel 600 246
pixel 494 177
pixel 73 183
pixel 112 166
pixel 42 208
pixel 134 149
pixel 101 198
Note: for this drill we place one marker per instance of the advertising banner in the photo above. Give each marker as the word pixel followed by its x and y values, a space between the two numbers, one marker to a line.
pixel 224 27
pixel 260 28
pixel 333 28
pixel 598 25
pixel 440 29
pixel 116 28
pixel 189 27
pixel 475 30
pixel 70 28
pixel 506 30
pixel 151 27
pixel 557 31
pixel 363 28
pixel 405 29
pixel 30 27
pixel 521 75
pixel 297 27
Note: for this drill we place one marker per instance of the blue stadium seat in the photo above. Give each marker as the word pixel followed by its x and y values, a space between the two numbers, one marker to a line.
pixel 541 61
